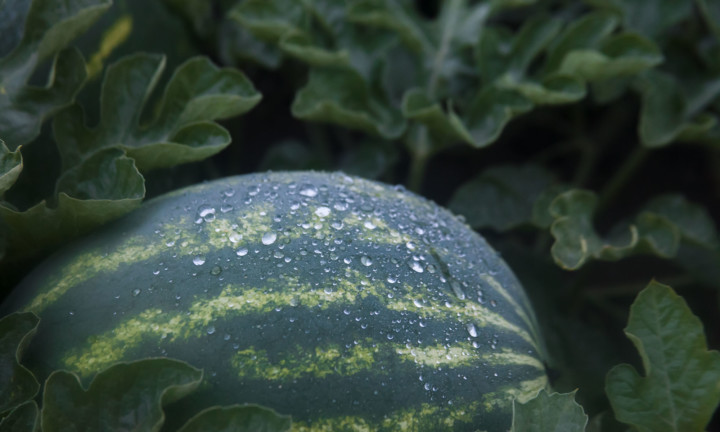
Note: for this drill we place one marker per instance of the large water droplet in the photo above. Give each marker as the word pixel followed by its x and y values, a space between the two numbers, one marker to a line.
pixel 322 212
pixel 199 260
pixel 472 330
pixel 366 261
pixel 226 208
pixel 269 238
pixel 457 289
pixel 241 252
pixel 308 190
pixel 211 330
pixel 205 213
pixel 415 266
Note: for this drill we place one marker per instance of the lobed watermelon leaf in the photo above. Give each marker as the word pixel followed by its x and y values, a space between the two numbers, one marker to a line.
pixel 24 418
pixel 126 396
pixel 239 418
pixel 501 197
pixel 17 383
pixel 680 390
pixel 101 178
pixel 48 29
pixel 658 229
pixel 549 412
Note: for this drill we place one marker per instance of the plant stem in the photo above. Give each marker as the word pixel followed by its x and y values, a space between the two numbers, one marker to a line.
pixel 622 175
pixel 419 155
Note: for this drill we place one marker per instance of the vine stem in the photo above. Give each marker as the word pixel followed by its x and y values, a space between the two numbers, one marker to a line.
pixel 421 149
pixel 419 156
pixel 622 175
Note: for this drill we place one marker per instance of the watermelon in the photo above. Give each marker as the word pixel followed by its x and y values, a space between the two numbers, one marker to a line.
pixel 349 304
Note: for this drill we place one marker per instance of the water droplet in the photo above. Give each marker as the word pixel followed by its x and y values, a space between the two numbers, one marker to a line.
pixel 241 252
pixel 216 270
pixel 211 330
pixel 199 260
pixel 410 245
pixel 366 261
pixel 457 289
pixel 229 192
pixel 472 330
pixel 294 301
pixel 136 292
pixel 278 254
pixel 269 238
pixel 415 266
pixel 391 279
pixel 418 302
pixel 322 212
pixel 226 208
pixel 308 190
pixel 205 213
pixel 369 225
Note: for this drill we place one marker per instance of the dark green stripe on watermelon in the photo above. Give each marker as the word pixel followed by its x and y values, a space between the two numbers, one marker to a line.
pixel 348 304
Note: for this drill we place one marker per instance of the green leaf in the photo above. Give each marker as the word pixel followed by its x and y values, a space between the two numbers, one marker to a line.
pixel 666 114
pixel 693 221
pixel 391 15
pixel 24 418
pixel 126 396
pixel 490 112
pixel 269 19
pixel 369 159
pixel 649 17
pixel 246 418
pixel 11 164
pixel 182 131
pixel 501 197
pixel 104 187
pixel 619 55
pixel 419 107
pixel 680 390
pixel 342 97
pixel 576 240
pixel 17 383
pixel 549 412
pixel 48 29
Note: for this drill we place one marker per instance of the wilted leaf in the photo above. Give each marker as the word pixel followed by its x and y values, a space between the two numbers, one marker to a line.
pixel 549 412
pixel 24 418
pixel 17 383
pixel 11 165
pixel 126 396
pixel 576 239
pixel 680 390
pixel 501 197
pixel 246 418
pixel 48 29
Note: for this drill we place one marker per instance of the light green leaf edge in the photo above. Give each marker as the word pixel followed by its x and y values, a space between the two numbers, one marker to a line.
pixel 16 330
pixel 11 164
pixel 24 418
pixel 549 412
pixel 153 383
pixel 680 389
pixel 238 418
pixel 576 240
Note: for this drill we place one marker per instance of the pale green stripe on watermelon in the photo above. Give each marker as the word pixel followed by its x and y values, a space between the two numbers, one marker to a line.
pixel 468 312
pixel 319 362
pixel 406 420
pixel 238 300
pixel 245 230
pixel 522 391
pixel 464 354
